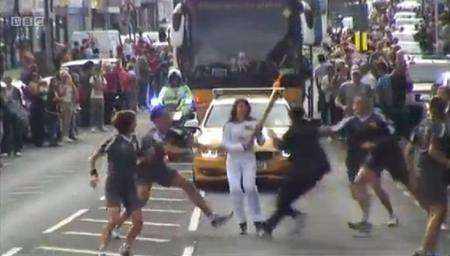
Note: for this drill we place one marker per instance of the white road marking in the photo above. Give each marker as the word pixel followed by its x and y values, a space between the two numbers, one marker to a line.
pixel 12 251
pixel 188 251
pixel 164 199
pixel 65 221
pixel 31 187
pixel 70 250
pixel 154 210
pixel 147 239
pixel 129 223
pixel 21 193
pixel 195 217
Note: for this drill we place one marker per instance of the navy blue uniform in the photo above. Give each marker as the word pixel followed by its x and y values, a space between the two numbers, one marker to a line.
pixel 386 154
pixel 432 174
pixel 120 187
pixel 156 170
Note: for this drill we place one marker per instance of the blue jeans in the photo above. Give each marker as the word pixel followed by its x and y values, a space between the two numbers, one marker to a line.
pixel 143 92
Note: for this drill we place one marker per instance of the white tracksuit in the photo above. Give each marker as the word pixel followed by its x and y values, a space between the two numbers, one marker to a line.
pixel 241 163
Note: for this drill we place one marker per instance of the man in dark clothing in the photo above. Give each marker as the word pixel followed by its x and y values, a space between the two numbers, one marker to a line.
pixel 392 91
pixel 13 123
pixel 309 164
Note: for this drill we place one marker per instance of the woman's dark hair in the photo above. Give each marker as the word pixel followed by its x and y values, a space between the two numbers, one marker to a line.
pixel 437 108
pixel 123 120
pixel 233 117
pixel 52 87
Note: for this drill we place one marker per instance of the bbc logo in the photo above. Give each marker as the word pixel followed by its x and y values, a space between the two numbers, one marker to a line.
pixel 27 21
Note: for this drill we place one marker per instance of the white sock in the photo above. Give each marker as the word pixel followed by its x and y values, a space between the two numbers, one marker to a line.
pixel 365 217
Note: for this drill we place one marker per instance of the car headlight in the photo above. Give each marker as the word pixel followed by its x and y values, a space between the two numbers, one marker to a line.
pixel 285 154
pixel 211 153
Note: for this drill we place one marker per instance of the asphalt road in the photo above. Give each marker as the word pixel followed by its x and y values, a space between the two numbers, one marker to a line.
pixel 47 208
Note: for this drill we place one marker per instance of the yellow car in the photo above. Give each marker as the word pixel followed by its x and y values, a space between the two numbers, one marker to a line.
pixel 209 164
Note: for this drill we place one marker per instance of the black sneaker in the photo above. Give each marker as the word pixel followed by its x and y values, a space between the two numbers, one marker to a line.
pixel 362 226
pixel 259 227
pixel 243 228
pixel 294 213
pixel 267 230
pixel 219 220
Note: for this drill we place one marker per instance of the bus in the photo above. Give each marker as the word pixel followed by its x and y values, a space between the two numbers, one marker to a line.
pixel 242 43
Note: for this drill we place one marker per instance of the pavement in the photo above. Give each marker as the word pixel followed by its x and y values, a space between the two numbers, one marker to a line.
pixel 48 208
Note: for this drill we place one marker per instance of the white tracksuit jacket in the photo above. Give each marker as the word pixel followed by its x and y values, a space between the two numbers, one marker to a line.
pixel 241 163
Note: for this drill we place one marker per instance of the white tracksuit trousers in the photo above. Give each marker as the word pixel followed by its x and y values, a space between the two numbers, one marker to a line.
pixel 241 165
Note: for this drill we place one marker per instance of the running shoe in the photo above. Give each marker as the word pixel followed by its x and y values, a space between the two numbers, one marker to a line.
pixel 392 222
pixel 360 226
pixel 18 154
pixel 259 227
pixel 4 155
pixel 422 252
pixel 218 220
pixel 294 213
pixel 267 230
pixel 115 233
pixel 125 250
pixel 243 228
pixel 102 252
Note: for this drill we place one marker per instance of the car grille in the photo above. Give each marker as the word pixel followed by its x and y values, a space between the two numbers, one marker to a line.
pixel 264 156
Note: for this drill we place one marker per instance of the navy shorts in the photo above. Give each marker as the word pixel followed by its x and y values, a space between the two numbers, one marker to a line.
pixel 163 175
pixel 117 194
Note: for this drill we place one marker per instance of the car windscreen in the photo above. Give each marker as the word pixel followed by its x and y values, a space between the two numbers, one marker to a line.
pixel 278 117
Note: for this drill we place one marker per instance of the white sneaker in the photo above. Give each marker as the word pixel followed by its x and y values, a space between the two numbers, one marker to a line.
pixel 444 227
pixel 68 140
pixel 18 154
pixel 115 233
pixel 93 129
pixel 3 155
pixel 392 222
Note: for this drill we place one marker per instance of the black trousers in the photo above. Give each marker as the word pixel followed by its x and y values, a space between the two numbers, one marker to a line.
pixel 296 183
pixel 109 107
pixel 37 125
pixel 13 129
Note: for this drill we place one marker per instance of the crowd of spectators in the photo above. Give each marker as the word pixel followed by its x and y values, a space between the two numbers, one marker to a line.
pixel 50 110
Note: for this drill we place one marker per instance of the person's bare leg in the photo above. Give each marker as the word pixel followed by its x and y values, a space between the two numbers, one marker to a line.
pixel 193 193
pixel 361 194
pixel 113 215
pixel 144 193
pixel 381 194
pixel 436 217
pixel 136 227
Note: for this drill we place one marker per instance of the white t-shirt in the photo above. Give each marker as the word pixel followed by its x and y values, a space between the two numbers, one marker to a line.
pixel 369 79
pixel 98 83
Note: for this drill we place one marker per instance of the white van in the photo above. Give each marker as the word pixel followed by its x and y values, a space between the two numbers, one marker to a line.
pixel 106 40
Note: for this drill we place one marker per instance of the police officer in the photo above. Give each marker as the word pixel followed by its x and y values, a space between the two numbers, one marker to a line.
pixel 309 164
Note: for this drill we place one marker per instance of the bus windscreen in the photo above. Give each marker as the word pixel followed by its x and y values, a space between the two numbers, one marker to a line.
pixel 231 32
